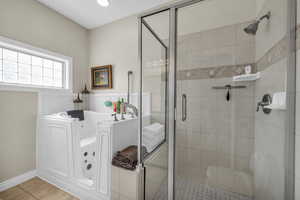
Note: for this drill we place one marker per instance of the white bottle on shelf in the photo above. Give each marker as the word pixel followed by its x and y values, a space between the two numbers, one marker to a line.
pixel 248 69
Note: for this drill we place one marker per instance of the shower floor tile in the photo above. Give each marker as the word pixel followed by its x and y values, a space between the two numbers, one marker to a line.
pixel 186 190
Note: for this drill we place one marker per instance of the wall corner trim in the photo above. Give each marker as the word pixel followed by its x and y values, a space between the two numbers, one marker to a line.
pixel 17 180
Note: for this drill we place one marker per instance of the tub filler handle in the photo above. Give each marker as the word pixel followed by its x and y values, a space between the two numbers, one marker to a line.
pixel 115 115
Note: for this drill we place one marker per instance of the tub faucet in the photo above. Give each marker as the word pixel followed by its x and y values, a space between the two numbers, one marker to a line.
pixel 133 108
pixel 115 115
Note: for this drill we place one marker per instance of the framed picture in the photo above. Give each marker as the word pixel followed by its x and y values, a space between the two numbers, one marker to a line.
pixel 102 77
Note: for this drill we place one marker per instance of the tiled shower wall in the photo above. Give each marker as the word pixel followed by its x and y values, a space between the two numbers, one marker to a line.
pixel 217 132
pixel 269 129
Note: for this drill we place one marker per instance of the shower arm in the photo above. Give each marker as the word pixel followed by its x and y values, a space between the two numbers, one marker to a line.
pixel 266 16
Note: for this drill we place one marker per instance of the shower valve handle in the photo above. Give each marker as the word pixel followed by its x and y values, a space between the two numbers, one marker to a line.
pixel 266 101
pixel 261 104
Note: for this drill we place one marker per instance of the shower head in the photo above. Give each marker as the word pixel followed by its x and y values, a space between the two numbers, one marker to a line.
pixel 252 28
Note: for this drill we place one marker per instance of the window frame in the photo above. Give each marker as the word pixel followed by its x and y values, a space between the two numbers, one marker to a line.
pixel 19 47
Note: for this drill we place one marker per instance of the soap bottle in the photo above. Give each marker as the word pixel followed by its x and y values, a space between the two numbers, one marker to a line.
pixel 119 106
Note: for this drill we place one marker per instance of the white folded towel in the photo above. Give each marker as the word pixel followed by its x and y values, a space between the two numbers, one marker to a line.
pixel 150 139
pixel 156 128
pixel 153 135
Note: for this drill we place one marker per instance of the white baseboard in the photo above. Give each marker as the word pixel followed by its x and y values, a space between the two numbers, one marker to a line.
pixel 17 180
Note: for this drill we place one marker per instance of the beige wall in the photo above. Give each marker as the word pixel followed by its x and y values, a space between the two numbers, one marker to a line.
pixel 18 113
pixel 32 23
pixel 117 44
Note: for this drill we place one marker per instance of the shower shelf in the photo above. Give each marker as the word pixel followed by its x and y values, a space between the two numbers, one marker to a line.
pixel 246 77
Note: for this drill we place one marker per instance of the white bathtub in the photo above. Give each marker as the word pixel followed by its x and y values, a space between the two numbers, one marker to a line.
pixel 76 155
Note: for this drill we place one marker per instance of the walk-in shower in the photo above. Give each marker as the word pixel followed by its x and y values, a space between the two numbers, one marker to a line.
pixel 207 74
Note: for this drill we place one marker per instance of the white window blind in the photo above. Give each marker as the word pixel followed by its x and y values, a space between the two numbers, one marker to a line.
pixel 21 68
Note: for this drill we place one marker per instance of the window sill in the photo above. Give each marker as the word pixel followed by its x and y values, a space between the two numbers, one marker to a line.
pixel 29 88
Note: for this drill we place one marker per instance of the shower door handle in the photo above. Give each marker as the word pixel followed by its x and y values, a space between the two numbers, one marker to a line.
pixel 184 108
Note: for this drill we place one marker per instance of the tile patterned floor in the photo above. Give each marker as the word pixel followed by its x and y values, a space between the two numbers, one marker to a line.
pixel 35 189
pixel 186 190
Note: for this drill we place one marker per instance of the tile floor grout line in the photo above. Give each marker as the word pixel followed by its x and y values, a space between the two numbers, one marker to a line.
pixel 28 192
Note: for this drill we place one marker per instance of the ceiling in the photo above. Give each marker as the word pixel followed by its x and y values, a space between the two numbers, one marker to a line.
pixel 89 14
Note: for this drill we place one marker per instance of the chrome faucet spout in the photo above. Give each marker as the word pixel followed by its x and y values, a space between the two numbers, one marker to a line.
pixel 133 108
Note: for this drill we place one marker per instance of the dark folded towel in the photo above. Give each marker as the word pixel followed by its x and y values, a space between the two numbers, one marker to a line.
pixel 76 114
pixel 127 158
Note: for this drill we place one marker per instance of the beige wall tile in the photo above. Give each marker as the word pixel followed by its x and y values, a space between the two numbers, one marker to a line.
pixel 128 188
pixel 115 179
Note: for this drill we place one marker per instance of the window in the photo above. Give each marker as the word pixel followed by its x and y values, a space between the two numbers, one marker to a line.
pixel 22 67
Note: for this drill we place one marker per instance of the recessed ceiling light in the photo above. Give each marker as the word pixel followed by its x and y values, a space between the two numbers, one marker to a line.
pixel 103 3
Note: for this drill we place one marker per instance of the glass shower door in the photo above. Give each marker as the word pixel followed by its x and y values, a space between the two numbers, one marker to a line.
pixel 154 57
pixel 222 142
pixel 223 145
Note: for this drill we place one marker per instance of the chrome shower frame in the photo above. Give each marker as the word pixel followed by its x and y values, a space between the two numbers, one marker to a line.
pixel 291 93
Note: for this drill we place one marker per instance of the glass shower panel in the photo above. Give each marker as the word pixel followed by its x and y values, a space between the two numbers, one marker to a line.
pixel 155 39
pixel 226 146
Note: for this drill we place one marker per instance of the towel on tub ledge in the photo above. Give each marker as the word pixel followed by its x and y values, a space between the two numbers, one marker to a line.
pixel 127 158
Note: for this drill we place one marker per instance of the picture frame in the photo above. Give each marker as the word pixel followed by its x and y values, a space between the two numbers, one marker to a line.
pixel 101 77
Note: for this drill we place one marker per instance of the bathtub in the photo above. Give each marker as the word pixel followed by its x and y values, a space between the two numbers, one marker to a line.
pixel 76 155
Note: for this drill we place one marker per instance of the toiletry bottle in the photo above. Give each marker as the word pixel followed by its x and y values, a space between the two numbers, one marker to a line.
pixel 115 107
pixel 248 69
pixel 119 106
pixel 123 106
